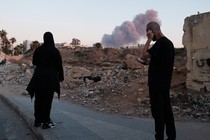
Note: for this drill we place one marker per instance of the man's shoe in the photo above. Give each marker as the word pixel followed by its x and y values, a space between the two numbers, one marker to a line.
pixel 51 124
pixel 48 125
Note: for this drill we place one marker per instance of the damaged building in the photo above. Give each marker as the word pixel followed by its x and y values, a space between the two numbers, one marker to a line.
pixel 197 43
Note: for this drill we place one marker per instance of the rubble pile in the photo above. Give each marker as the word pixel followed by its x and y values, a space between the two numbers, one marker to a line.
pixel 116 86
pixel 15 74
pixel 116 83
pixel 191 105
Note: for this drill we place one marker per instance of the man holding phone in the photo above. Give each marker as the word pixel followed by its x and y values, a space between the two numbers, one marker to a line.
pixel 160 70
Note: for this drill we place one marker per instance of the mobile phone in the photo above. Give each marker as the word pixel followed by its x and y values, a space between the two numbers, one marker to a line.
pixel 142 61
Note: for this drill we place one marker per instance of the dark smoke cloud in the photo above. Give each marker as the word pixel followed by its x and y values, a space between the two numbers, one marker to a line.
pixel 130 32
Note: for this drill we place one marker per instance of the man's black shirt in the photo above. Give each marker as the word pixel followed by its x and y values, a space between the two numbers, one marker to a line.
pixel 161 64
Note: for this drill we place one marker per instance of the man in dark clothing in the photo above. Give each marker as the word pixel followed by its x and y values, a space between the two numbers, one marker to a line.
pixel 160 70
pixel 45 81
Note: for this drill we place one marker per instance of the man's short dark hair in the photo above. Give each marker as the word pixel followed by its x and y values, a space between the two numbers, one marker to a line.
pixel 153 26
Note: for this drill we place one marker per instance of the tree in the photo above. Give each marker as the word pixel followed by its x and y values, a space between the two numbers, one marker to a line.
pixel 3 34
pixel 34 44
pixel 98 45
pixel 12 40
pixel 18 49
pixel 6 44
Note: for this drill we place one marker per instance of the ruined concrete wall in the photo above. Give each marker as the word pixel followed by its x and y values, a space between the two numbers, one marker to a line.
pixel 196 40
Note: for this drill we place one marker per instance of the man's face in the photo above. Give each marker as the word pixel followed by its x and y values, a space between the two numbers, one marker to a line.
pixel 154 38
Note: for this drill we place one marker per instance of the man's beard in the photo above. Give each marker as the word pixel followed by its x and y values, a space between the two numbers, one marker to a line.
pixel 154 38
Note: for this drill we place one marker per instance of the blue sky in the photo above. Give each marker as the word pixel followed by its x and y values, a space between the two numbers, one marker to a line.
pixel 89 20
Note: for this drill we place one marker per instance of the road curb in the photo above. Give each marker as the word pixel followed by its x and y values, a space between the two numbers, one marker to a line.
pixel 27 120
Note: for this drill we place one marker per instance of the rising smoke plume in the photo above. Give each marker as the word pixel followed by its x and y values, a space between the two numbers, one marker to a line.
pixel 130 32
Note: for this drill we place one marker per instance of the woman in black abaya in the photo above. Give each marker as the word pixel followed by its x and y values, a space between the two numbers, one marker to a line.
pixel 45 80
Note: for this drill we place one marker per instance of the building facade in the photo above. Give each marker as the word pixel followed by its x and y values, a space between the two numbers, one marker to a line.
pixel 196 40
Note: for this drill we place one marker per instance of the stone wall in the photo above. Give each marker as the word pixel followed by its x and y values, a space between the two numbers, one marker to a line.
pixel 196 40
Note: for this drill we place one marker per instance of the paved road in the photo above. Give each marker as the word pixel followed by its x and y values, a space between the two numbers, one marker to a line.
pixel 78 123
pixel 12 127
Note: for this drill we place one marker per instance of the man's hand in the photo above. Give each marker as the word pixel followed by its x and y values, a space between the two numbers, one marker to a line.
pixel 145 55
pixel 150 34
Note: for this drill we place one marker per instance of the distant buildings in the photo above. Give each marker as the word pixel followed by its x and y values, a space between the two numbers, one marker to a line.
pixel 26 44
pixel 75 42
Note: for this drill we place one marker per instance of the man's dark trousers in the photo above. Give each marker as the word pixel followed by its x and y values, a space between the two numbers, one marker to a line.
pixel 162 113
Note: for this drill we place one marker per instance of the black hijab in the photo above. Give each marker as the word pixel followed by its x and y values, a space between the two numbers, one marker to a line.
pixel 48 39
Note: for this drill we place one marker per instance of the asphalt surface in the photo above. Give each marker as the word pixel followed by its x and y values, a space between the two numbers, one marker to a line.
pixel 12 126
pixel 74 122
